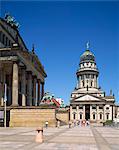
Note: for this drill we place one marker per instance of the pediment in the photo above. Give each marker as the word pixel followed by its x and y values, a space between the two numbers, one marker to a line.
pixel 88 97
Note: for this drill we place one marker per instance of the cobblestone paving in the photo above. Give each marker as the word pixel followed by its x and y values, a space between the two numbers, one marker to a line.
pixel 63 138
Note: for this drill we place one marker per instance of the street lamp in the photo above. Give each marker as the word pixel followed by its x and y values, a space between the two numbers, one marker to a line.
pixel 5 100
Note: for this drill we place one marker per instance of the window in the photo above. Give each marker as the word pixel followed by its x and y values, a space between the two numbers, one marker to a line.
pixel 80 116
pixel 107 108
pixel 82 77
pixel 74 115
pixel 3 39
pixel 6 41
pixel 100 116
pixel 91 83
pixel 87 76
pixel 107 116
pixel 83 83
pixel 93 116
pixel 9 43
pixel 92 76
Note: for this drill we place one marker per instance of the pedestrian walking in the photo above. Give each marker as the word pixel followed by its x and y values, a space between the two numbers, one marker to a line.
pixel 46 124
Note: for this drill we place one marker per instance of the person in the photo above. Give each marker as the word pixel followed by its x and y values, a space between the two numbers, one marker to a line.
pixel 87 123
pixel 46 124
pixel 58 123
pixel 74 123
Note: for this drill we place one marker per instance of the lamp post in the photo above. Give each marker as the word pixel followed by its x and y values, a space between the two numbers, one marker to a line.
pixel 5 99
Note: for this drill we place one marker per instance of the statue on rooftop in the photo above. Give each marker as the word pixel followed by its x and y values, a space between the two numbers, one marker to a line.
pixel 11 20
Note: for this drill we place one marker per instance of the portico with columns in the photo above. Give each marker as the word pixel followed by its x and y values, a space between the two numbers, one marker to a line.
pixel 22 78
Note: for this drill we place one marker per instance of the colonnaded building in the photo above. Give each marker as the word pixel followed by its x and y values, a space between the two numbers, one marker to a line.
pixel 23 74
pixel 22 79
pixel 88 100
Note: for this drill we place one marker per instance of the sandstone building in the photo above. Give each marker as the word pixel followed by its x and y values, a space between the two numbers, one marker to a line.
pixel 20 69
pixel 88 100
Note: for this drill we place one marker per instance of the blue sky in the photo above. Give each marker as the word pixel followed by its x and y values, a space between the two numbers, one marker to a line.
pixel 60 30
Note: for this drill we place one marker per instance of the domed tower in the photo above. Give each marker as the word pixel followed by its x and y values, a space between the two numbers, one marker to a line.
pixel 87 74
pixel 88 101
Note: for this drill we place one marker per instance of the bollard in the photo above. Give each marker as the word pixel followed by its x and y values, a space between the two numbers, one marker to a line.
pixel 39 136
pixel 70 124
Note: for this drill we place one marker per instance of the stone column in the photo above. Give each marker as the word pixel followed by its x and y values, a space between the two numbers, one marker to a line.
pixel 95 81
pixel 85 81
pixel 29 89
pixel 77 109
pixel 39 98
pixel 15 85
pixel 34 91
pixel 2 86
pixel 23 86
pixel 91 112
pixel 97 116
pixel 71 116
pixel 84 111
pixel 104 117
pixel 42 90
pixel 113 111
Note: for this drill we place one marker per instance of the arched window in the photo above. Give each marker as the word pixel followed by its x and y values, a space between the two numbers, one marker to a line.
pixel 91 83
pixel 80 115
pixel 93 116
pixel 107 116
pixel 3 39
pixel 92 76
pixel 87 76
pixel 74 116
pixel 100 116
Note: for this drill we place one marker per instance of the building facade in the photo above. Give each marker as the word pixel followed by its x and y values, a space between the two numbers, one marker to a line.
pixel 20 69
pixel 88 100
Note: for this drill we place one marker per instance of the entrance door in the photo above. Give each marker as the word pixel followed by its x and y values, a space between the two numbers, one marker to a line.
pixel 87 112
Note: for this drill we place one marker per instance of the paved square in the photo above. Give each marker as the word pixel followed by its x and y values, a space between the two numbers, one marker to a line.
pixel 63 138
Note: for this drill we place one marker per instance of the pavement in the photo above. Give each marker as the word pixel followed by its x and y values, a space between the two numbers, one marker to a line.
pixel 63 138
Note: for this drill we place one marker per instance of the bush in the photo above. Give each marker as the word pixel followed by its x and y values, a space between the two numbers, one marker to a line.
pixel 108 122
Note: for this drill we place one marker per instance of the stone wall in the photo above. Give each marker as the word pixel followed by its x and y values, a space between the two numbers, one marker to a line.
pixel 63 116
pixel 32 117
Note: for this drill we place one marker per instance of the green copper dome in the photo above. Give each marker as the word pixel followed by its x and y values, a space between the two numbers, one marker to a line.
pixel 87 56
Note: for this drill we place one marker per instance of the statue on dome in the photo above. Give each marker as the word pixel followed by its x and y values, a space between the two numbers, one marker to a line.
pixel 87 45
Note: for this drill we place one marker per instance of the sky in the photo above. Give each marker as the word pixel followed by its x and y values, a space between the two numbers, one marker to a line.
pixel 60 30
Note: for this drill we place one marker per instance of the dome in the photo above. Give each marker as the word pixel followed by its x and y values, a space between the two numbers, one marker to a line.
pixel 87 56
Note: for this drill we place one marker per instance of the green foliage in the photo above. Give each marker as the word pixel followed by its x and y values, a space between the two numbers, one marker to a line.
pixel 108 122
